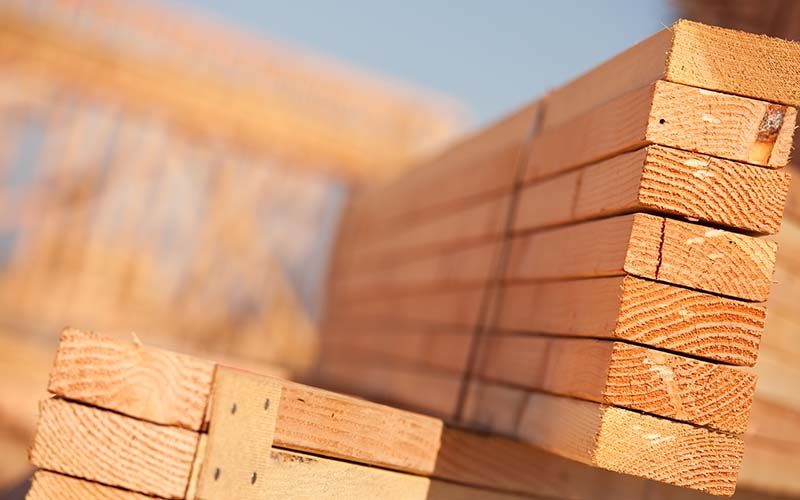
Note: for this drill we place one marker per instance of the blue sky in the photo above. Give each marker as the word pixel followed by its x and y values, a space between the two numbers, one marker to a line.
pixel 492 56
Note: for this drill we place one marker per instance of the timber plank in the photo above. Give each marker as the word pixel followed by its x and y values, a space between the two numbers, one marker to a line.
pixel 300 476
pixel 693 54
pixel 289 474
pixel 664 180
pixel 624 375
pixel 632 443
pixel 508 464
pixel 641 311
pixel 155 385
pixel 432 392
pixel 651 247
pixel 113 449
pixel 359 431
pixel 688 118
pixel 48 485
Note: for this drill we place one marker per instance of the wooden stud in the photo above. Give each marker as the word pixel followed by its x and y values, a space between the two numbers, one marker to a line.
pixel 669 114
pixel 631 443
pixel 113 449
pixel 640 311
pixel 651 247
pixel 624 375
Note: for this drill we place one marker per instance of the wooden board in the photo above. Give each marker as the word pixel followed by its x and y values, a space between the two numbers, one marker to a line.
pixel 469 225
pixel 668 114
pixel 659 179
pixel 624 375
pixel 48 485
pixel 632 443
pixel 106 447
pixel 651 247
pixel 155 385
pixel 87 371
pixel 640 311
pixel 289 474
pixel 404 386
pixel 692 54
pixel 456 268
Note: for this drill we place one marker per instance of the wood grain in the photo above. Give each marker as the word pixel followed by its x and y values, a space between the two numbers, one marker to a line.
pixel 113 449
pixel 624 375
pixel 641 311
pixel 507 464
pixel 631 443
pixel 48 485
pixel 300 476
pixel 406 441
pixel 663 180
pixel 429 392
pixel 702 121
pixel 692 54
pixel 652 247
pixel 155 385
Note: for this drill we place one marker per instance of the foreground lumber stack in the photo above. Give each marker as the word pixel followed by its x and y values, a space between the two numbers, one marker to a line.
pixel 590 274
pixel 131 422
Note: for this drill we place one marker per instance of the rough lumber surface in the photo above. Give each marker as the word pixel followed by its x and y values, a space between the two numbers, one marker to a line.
pixel 339 426
pixel 640 311
pixel 659 179
pixel 727 126
pixel 625 375
pixel 510 465
pixel 114 449
pixel 395 384
pixel 692 54
pixel 300 476
pixel 49 485
pixel 155 385
pixel 632 443
pixel 713 190
pixel 649 246
pixel 309 419
pixel 717 261
pixel 735 62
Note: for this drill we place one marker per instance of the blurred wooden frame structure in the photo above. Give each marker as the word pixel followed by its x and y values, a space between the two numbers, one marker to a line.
pixel 146 152
pixel 165 174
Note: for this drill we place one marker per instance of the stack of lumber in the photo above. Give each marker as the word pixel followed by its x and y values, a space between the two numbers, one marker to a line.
pixel 133 422
pixel 590 274
pixel 127 421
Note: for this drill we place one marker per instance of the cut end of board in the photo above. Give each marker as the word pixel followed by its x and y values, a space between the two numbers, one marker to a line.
pixel 735 62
